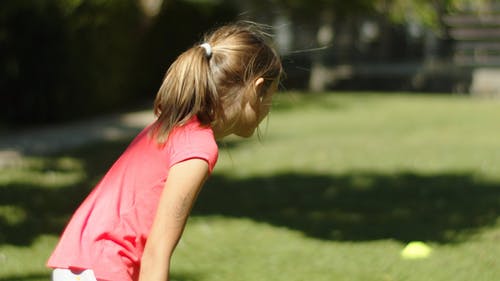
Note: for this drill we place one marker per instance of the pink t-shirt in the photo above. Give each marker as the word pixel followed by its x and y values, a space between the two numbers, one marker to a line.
pixel 108 231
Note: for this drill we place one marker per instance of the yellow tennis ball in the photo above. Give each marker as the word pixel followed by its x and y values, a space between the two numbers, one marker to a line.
pixel 416 250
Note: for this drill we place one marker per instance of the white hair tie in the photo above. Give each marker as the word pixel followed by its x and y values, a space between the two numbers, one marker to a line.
pixel 208 49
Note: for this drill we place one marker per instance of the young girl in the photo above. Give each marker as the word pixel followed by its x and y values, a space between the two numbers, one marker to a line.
pixel 129 225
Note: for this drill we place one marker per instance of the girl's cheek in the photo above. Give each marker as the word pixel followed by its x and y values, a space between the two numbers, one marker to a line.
pixel 265 108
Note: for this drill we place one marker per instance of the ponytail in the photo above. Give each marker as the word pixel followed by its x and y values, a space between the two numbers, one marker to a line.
pixel 210 80
pixel 188 90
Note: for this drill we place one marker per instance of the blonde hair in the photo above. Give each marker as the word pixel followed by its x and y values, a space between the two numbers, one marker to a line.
pixel 211 85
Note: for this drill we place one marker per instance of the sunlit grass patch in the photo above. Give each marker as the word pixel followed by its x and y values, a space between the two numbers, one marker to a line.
pixel 338 185
pixel 50 172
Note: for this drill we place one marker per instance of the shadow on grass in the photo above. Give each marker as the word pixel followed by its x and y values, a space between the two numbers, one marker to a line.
pixel 349 207
pixel 46 210
pixel 27 277
pixel 360 206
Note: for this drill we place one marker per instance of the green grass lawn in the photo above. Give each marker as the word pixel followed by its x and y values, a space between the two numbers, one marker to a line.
pixel 335 189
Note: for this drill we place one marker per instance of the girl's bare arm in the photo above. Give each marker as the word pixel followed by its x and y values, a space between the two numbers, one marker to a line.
pixel 181 189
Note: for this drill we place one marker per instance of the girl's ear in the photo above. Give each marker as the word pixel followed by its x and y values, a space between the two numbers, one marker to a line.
pixel 258 84
pixel 259 81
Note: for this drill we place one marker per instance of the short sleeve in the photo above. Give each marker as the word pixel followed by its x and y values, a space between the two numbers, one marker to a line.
pixel 193 141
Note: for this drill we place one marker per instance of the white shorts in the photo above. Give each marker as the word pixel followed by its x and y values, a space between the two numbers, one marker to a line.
pixel 62 274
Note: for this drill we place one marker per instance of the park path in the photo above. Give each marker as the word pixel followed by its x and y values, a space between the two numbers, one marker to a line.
pixel 51 139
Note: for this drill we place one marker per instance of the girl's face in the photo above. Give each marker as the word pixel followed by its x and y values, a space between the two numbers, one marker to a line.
pixel 255 111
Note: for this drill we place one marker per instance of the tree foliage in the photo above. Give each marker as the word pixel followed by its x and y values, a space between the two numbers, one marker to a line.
pixel 63 59
pixel 425 12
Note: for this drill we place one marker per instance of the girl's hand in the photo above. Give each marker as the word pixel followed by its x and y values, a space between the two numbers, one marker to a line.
pixel 183 184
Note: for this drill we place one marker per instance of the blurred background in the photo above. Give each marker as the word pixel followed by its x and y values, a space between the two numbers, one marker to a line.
pixel 67 59
pixel 386 132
